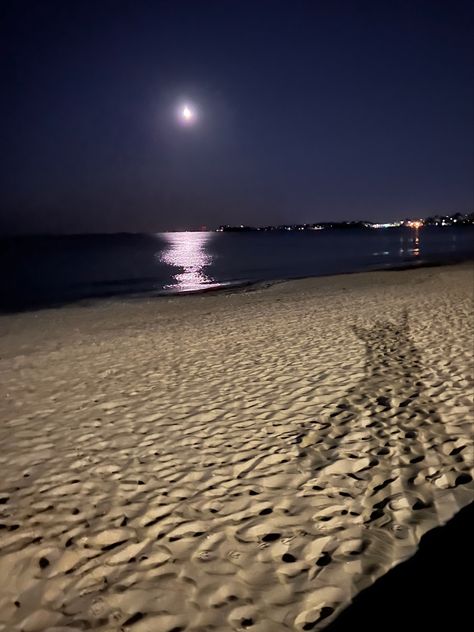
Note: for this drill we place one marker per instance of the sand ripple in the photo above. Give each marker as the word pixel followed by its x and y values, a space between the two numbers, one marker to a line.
pixel 233 462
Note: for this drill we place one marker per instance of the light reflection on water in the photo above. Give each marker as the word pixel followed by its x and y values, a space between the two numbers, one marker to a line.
pixel 187 252
pixel 410 245
pixel 416 247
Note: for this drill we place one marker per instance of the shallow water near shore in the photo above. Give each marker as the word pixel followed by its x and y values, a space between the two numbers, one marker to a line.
pixel 45 271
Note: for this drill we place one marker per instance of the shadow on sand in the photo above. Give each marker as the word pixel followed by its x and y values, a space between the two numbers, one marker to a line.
pixel 430 591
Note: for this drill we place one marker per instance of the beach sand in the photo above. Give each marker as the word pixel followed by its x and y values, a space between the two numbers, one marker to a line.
pixel 232 461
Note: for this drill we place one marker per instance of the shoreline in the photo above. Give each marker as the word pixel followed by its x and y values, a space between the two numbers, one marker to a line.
pixel 260 456
pixel 237 286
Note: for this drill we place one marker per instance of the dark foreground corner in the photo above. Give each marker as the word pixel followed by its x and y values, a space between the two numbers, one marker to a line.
pixel 430 591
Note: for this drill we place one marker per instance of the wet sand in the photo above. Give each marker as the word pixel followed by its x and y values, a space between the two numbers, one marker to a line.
pixel 247 460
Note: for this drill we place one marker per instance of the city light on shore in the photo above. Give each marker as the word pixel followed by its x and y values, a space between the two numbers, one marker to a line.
pixel 415 223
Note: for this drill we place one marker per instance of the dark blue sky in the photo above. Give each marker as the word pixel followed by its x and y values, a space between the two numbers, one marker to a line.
pixel 310 111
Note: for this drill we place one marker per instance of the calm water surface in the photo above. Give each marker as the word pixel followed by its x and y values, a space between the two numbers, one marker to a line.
pixel 42 271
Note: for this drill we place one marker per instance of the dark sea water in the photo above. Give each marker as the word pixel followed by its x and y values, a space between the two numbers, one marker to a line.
pixel 46 271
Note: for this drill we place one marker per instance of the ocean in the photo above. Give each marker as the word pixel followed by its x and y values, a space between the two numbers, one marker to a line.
pixel 39 271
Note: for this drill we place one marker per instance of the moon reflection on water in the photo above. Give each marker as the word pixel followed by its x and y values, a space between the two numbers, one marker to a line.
pixel 188 253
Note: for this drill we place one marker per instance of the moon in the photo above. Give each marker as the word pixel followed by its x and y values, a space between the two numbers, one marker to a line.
pixel 187 114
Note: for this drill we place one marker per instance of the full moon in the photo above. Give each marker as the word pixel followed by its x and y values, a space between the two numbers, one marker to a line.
pixel 187 114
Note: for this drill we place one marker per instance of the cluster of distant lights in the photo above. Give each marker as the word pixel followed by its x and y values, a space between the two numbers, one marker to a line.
pixel 445 223
pixel 410 223
pixel 416 224
pixel 413 223
pixel 386 225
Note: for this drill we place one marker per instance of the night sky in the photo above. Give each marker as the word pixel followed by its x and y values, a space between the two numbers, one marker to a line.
pixel 307 111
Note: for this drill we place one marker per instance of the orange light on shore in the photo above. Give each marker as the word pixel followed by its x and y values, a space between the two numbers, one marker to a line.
pixel 416 223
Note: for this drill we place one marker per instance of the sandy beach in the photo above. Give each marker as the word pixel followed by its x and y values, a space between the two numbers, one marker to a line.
pixel 242 460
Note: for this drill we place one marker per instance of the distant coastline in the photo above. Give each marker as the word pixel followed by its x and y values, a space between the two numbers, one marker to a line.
pixel 456 219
